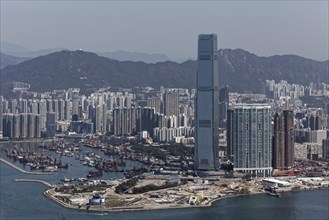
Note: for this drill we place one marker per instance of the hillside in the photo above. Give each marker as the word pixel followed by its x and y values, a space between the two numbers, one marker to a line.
pixel 89 71
pixel 122 55
pixel 239 69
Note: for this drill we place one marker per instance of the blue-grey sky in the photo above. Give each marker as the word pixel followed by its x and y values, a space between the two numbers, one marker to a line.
pixel 172 27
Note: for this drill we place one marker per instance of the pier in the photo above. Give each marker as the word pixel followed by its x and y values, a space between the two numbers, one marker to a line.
pixel 34 181
pixel 21 170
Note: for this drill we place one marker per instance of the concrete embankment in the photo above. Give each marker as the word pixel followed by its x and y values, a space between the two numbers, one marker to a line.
pixel 34 181
pixel 21 170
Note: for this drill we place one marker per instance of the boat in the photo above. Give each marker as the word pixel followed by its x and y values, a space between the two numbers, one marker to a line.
pixel 66 180
pixel 63 166
pixel 82 179
pixel 50 169
pixel 272 192
pixel 93 174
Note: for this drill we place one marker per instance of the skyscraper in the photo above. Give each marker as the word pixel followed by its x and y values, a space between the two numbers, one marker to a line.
pixel 207 113
pixel 252 138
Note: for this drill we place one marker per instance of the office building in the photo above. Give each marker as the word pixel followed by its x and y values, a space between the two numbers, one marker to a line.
pixel 207 114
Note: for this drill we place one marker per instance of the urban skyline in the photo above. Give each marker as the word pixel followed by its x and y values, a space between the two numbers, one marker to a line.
pixel 107 148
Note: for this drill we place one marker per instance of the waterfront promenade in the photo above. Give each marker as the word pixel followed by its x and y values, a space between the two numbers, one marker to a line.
pixel 21 170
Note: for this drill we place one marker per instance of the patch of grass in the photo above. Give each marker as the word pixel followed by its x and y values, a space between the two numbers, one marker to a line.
pixel 113 201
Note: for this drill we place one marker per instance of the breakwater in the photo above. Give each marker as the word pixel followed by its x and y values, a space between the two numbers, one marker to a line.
pixel 34 181
pixel 21 170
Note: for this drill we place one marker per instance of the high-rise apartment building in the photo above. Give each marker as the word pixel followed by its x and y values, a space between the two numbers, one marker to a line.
pixel 252 138
pixel 223 106
pixel 283 140
pixel 21 125
pixel 75 104
pixel 43 114
pixel 51 124
pixel 67 109
pixel 229 134
pixel 325 149
pixel 171 104
pixel 154 102
pixel 207 114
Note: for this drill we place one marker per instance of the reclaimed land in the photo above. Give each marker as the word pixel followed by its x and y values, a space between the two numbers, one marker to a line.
pixel 138 202
pixel 225 188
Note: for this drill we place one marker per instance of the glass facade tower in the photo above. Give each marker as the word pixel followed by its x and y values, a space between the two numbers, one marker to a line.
pixel 207 112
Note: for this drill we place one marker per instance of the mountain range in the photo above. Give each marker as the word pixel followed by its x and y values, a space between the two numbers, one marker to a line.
pixel 120 55
pixel 240 69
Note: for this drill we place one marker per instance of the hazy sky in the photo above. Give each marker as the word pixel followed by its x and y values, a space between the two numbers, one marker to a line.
pixel 172 27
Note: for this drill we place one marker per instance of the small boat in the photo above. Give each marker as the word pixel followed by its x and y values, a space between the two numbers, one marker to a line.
pixel 272 192
pixel 94 174
pixel 50 169
pixel 66 180
pixel 82 179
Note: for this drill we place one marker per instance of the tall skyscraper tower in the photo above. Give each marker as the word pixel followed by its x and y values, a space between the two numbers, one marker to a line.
pixel 207 113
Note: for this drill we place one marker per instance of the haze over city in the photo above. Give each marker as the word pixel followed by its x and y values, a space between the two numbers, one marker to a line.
pixel 263 28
